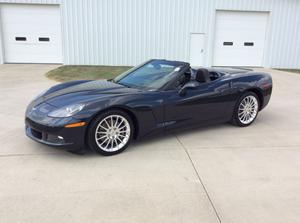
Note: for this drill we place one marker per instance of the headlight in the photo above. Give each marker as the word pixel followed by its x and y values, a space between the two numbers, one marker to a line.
pixel 66 111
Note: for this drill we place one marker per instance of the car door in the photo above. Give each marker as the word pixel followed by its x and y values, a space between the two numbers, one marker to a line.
pixel 208 101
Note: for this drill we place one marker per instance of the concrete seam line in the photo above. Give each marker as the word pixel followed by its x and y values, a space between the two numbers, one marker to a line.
pixel 247 147
pixel 29 154
pixel 199 178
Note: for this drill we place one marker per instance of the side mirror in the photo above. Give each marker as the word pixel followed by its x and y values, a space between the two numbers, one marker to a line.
pixel 189 85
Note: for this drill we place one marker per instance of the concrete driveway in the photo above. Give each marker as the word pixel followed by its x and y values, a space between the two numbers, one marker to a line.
pixel 213 174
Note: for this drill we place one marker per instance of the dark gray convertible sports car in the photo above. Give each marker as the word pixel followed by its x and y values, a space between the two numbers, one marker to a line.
pixel 105 115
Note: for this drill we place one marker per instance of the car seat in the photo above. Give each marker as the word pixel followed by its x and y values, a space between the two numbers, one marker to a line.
pixel 203 75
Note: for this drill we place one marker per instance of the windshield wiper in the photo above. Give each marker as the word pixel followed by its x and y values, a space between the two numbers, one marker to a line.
pixel 125 85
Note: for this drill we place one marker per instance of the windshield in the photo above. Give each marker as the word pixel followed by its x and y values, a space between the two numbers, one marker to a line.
pixel 150 75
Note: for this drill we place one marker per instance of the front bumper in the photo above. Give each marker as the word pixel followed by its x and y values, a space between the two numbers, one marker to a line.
pixel 72 139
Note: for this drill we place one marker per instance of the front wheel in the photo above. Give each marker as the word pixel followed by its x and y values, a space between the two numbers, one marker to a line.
pixel 110 133
pixel 246 110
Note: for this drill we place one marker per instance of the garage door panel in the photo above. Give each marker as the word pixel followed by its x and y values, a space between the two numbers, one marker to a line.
pixel 246 32
pixel 40 25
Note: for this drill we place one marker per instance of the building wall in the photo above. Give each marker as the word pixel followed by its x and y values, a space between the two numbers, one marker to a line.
pixel 32 1
pixel 118 32
pixel 1 45
pixel 127 32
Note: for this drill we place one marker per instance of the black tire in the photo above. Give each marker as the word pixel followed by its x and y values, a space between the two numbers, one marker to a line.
pixel 91 141
pixel 235 120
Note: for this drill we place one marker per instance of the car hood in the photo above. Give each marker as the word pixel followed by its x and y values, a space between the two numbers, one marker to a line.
pixel 84 92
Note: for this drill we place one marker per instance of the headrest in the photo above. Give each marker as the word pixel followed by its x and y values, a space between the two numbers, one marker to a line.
pixel 202 75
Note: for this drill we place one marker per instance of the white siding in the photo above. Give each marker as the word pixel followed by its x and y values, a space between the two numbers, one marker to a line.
pixel 32 1
pixel 127 32
pixel 118 32
pixel 1 46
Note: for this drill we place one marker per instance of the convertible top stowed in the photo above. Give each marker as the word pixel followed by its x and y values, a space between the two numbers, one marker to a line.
pixel 105 115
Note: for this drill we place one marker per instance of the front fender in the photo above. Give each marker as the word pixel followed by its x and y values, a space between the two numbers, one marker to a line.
pixel 146 109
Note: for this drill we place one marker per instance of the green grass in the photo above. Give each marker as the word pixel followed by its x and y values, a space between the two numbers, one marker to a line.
pixel 77 72
pixel 291 70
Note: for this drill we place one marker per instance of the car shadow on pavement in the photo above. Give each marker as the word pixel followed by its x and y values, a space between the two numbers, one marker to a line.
pixel 171 134
pixel 163 138
pixel 151 141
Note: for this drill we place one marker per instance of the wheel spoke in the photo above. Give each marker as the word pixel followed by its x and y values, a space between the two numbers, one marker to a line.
pixel 121 122
pixel 107 124
pixel 122 136
pixel 101 137
pixel 242 115
pixel 102 127
pixel 116 121
pixel 118 138
pixel 111 121
pixel 246 117
pixel 104 141
pixel 122 127
pixel 112 143
pixel 107 144
pixel 115 140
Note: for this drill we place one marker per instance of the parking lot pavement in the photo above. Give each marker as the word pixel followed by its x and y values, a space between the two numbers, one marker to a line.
pixel 212 174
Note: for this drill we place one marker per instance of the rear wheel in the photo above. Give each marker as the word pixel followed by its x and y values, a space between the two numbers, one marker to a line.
pixel 246 110
pixel 111 132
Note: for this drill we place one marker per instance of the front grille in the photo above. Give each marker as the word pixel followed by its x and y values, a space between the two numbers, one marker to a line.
pixel 45 128
pixel 36 134
pixel 41 134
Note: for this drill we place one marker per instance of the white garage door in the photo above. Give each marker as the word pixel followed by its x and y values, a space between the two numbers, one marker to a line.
pixel 31 33
pixel 239 38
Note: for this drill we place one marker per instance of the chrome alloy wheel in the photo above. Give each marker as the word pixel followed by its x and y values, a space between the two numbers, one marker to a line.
pixel 248 109
pixel 112 133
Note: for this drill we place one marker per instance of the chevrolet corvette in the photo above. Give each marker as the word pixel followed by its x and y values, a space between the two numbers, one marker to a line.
pixel 106 115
